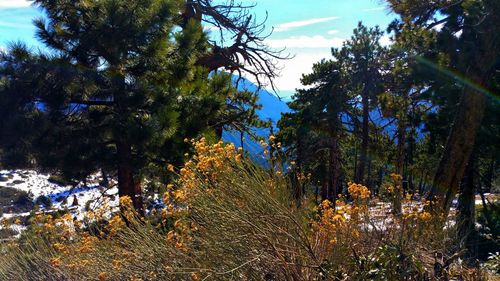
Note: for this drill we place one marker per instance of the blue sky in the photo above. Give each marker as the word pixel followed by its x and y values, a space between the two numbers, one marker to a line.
pixel 306 28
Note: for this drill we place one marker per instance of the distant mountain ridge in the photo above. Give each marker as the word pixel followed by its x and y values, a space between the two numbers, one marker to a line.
pixel 272 107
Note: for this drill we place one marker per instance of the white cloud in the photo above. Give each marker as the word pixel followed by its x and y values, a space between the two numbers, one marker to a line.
pixel 304 41
pixel 14 3
pixel 302 63
pixel 331 32
pixel 293 69
pixel 374 9
pixel 211 28
pixel 385 40
pixel 294 24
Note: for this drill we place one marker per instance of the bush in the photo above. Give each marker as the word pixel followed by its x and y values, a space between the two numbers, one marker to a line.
pixel 17 200
pixel 491 219
pixel 59 180
pixel 228 219
pixel 7 233
pixel 88 205
pixel 44 201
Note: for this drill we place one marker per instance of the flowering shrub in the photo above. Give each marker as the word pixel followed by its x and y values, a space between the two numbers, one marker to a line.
pixel 225 218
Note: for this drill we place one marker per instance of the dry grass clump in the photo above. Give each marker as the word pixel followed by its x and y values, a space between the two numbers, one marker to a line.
pixel 228 219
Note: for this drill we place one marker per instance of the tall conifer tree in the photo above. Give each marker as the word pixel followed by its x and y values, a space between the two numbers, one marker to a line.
pixel 469 43
pixel 118 88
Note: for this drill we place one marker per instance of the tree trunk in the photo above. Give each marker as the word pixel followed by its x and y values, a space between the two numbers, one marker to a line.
pixel 299 193
pixel 219 129
pixel 458 148
pixel 409 157
pixel 242 140
pixel 364 141
pixel 127 186
pixel 489 175
pixel 400 162
pixel 421 183
pixel 105 180
pixel 324 188
pixel 368 178
pixel 466 209
pixel 355 160
pixel 380 179
pixel 334 170
pixel 486 211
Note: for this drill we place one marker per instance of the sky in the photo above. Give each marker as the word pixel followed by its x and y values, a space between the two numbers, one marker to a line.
pixel 308 29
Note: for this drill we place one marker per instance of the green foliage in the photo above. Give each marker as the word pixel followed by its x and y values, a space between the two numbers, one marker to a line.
pixel 59 180
pixel 240 224
pixel 489 218
pixel 330 117
pixel 44 201
pixel 15 199
pixel 493 263
pixel 460 70
pixel 119 87
pixel 389 262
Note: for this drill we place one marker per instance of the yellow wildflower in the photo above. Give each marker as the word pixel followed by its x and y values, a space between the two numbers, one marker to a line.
pixel 195 276
pixel 117 264
pixel 170 168
pixel 425 216
pixel 55 262
pixel 103 276
pixel 125 201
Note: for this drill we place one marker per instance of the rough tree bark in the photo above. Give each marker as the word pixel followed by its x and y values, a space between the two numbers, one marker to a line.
pixel 365 135
pixel 127 186
pixel 334 170
pixel 458 148
pixel 480 48
pixel 400 162
pixel 324 187
pixel 466 209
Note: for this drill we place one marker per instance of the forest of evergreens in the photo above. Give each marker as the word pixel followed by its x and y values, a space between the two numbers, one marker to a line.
pixel 384 168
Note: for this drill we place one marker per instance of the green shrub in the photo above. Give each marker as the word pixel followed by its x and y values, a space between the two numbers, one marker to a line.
pixel 60 180
pixel 228 219
pixel 7 233
pixel 44 201
pixel 16 199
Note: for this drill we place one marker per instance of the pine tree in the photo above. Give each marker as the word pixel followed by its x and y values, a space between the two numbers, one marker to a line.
pixel 118 89
pixel 365 55
pixel 469 42
pixel 314 129
pixel 403 100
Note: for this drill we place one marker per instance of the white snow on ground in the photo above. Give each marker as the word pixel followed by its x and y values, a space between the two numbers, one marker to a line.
pixel 37 184
pixel 63 197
